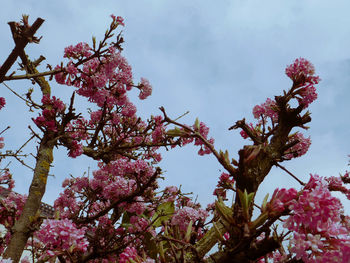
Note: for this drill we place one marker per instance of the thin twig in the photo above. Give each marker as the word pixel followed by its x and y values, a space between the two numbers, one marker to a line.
pixel 296 178
pixel 30 76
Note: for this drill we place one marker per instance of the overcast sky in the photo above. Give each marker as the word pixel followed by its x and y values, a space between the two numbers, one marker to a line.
pixel 217 59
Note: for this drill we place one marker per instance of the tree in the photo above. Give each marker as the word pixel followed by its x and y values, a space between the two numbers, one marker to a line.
pixel 120 214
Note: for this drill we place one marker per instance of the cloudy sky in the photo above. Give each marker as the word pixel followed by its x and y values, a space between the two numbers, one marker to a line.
pixel 217 59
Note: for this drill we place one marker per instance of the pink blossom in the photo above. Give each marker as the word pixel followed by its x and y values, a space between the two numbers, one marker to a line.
pixel 129 110
pixel 299 148
pixel 128 255
pixel 183 216
pixel 307 95
pixel 280 200
pixel 145 89
pixel 62 235
pixel 82 49
pixel 2 102
pixel 158 134
pixel 268 109
pixel 138 206
pixel 244 134
pixel 139 224
pixel 76 149
pixel 118 19
pixel 60 77
pixel 317 225
pixel 336 184
pixel 2 144
pixel 301 72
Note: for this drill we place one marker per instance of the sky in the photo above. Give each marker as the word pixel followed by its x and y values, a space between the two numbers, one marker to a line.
pixel 216 59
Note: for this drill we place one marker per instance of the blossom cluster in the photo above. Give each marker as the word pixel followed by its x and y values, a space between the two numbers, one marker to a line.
pixel 337 184
pixel 300 147
pixel 280 200
pixel 301 72
pixel 225 182
pixel 266 110
pixel 318 232
pixel 183 216
pixel 112 182
pixel 203 130
pixel 102 80
pixel 130 255
pixel 52 108
pixel 61 236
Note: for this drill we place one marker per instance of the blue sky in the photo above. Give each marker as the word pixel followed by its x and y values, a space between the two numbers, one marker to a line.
pixel 216 59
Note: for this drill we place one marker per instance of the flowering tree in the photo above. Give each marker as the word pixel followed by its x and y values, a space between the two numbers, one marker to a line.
pixel 120 214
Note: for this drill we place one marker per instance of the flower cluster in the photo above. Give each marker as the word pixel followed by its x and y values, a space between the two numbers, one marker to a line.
pixel 183 216
pixel 52 108
pixel 301 72
pixel 202 129
pixel 300 146
pixel 61 236
pixel 337 184
pixel 225 182
pixel 266 110
pixel 145 88
pixel 319 235
pixel 130 255
pixel 280 200
pixel 112 182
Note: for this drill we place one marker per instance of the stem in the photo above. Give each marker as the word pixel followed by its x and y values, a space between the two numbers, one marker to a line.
pixel 30 76
pixel 288 172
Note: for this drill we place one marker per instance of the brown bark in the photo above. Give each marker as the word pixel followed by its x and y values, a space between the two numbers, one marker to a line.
pixel 20 45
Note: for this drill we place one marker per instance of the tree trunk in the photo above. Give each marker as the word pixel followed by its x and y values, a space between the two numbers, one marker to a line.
pixel 21 229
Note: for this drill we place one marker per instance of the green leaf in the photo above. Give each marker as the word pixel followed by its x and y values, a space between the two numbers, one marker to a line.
pixel 188 232
pixel 197 124
pixel 126 218
pixel 246 200
pixel 175 132
pixel 263 206
pixel 224 211
pixel 163 213
pixel 259 221
pixel 151 245
pixel 94 42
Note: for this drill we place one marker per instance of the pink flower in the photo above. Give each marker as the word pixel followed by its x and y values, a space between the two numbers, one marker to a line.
pixel 268 109
pixel 280 200
pixel 183 216
pixel 145 89
pixel 82 49
pixel 62 235
pixel 118 19
pixel 244 134
pixel 2 102
pixel 299 148
pixel 128 255
pixel 2 144
pixel 76 149
pixel 129 109
pixel 302 72
pixel 317 224
pixel 308 95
